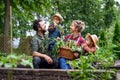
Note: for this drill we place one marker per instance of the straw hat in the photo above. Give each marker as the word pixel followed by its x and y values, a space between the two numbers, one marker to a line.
pixel 94 39
pixel 59 16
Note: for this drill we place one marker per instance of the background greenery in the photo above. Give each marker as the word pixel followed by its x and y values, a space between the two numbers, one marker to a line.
pixel 98 15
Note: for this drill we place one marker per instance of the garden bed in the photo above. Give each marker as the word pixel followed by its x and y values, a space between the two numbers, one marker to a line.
pixel 43 74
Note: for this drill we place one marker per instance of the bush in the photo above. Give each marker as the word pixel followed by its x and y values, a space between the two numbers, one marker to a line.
pixel 116 40
pixel 13 60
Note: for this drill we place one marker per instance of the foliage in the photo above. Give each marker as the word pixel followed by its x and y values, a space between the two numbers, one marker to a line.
pixel 29 9
pixel 13 60
pixel 102 38
pixel 116 40
pixel 102 59
pixel 1 16
pixel 109 15
pixel 95 13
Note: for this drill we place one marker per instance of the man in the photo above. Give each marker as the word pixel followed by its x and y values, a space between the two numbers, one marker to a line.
pixel 41 59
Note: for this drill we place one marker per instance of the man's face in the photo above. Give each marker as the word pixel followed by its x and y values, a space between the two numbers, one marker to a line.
pixel 43 26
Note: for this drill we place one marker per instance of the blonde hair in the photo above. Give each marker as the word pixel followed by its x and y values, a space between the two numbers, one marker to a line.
pixel 79 24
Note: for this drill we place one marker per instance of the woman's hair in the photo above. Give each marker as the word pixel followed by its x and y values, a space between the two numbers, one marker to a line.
pixel 36 24
pixel 79 24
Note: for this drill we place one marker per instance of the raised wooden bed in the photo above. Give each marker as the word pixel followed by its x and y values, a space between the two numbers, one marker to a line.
pixel 50 74
pixel 41 74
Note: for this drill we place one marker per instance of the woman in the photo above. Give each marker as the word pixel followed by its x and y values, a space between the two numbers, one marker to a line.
pixel 76 28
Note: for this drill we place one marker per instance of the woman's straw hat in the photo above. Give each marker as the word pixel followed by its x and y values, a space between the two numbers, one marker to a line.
pixel 94 39
pixel 59 16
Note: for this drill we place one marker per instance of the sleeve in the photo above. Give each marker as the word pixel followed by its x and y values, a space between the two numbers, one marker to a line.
pixel 34 45
pixel 81 41
pixel 66 37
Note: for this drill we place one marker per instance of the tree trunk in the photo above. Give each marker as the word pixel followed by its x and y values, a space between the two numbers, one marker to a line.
pixel 6 25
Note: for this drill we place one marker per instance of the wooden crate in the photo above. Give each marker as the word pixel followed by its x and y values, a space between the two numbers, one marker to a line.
pixel 66 53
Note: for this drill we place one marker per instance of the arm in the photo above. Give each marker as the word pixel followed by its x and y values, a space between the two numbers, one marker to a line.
pixel 35 47
pixel 86 48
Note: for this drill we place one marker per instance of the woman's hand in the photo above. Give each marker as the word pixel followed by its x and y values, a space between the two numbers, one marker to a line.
pixel 58 38
pixel 76 54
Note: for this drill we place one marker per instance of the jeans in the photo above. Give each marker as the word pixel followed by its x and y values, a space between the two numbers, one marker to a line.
pixel 63 63
pixel 42 63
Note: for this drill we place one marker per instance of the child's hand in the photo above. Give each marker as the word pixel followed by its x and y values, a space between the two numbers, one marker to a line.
pixel 55 24
pixel 58 38
pixel 93 49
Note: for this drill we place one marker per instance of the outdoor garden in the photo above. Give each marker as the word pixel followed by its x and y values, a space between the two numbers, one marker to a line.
pixel 101 17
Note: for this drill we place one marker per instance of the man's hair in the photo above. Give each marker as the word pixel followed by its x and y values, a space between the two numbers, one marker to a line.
pixel 36 24
pixel 79 24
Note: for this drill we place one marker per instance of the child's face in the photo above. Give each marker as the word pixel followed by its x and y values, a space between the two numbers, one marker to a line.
pixel 56 20
pixel 89 41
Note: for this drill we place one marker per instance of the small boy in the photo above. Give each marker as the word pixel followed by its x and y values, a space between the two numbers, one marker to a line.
pixel 53 30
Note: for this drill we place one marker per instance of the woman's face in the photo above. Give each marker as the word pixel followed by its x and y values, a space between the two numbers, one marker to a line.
pixel 89 41
pixel 72 28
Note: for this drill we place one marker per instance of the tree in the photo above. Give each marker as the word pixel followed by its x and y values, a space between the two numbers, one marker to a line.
pixel 23 15
pixel 109 15
pixel 102 40
pixel 116 39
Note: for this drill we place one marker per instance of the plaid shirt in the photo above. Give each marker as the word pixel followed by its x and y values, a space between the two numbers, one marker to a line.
pixel 79 39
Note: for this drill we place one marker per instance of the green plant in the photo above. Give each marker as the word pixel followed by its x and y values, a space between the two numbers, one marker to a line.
pixel 13 60
pixel 101 60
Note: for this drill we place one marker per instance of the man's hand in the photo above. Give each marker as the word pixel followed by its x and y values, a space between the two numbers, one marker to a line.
pixel 48 59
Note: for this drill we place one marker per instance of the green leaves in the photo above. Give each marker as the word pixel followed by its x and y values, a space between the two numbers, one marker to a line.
pixel 12 61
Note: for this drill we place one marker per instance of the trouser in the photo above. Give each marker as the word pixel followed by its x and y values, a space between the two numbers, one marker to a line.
pixel 41 63
pixel 63 63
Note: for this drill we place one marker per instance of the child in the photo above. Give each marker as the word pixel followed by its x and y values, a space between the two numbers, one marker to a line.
pixel 76 28
pixel 53 30
pixel 91 41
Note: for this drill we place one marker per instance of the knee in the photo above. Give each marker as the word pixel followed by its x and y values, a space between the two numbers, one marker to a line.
pixel 36 60
pixel 62 59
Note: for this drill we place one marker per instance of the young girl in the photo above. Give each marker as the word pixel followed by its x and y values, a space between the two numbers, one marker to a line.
pixel 91 41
